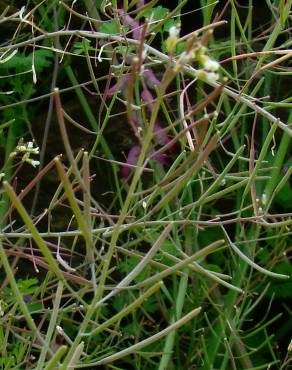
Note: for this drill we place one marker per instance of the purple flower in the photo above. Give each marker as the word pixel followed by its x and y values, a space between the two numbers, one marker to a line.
pixel 148 98
pixel 160 136
pixel 132 23
pixel 151 79
pixel 163 159
pixel 121 85
pixel 131 160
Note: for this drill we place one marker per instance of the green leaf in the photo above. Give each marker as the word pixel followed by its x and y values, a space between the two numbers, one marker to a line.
pixel 110 27
pixel 20 62
pixel 98 4
pixel 27 286
pixel 129 265
pixel 35 307
pixel 156 14
pixel 181 47
pixel 212 267
pixel 168 24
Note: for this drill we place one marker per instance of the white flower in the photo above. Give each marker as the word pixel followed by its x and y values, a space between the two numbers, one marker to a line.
pixel 31 149
pixel 35 150
pixel 26 150
pixel 174 31
pixel 210 77
pixel 211 65
pixel 34 163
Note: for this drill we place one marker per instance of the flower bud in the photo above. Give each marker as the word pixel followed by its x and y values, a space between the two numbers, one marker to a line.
pixel 172 39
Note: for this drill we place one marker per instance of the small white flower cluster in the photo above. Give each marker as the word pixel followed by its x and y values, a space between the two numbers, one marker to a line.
pixel 195 51
pixel 26 150
pixel 210 67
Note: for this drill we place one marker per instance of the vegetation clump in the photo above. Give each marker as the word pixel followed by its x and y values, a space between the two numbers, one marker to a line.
pixel 145 203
